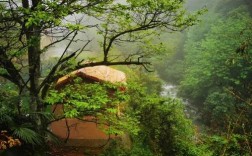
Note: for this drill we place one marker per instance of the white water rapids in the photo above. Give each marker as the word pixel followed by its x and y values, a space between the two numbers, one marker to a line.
pixel 169 90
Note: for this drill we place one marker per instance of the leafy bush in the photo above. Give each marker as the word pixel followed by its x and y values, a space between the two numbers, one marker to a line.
pixel 138 148
pixel 233 145
pixel 164 128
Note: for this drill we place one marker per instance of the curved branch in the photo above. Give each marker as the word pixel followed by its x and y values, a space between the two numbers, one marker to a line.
pixel 13 74
pixel 49 79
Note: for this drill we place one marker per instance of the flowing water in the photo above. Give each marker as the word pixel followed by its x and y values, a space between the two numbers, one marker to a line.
pixel 169 90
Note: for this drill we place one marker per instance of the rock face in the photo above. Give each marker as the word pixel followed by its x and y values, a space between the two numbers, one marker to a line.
pixel 84 132
pixel 95 74
pixel 80 133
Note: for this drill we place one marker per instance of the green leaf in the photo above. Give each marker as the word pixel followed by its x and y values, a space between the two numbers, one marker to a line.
pixel 27 135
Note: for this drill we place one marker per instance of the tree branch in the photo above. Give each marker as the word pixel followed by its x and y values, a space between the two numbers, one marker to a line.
pixel 13 74
pixel 111 64
pixel 49 78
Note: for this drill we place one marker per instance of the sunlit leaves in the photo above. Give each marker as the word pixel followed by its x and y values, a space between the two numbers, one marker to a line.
pixel 54 97
pixel 74 26
pixel 71 113
pixel 102 100
pixel 84 98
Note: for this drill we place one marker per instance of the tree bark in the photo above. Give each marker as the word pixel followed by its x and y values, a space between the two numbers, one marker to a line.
pixel 33 38
pixel 34 67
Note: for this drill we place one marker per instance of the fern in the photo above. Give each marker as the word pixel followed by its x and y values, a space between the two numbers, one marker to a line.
pixel 28 135
pixel 4 118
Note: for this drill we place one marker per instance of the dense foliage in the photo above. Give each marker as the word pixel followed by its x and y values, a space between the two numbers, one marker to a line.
pixel 28 92
pixel 210 63
pixel 215 76
pixel 164 128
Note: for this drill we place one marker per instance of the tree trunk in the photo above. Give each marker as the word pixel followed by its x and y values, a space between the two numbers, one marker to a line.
pixel 34 67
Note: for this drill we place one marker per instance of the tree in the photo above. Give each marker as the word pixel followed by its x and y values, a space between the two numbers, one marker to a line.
pixel 217 80
pixel 23 23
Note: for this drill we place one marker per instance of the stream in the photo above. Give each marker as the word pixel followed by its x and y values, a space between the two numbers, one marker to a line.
pixel 169 90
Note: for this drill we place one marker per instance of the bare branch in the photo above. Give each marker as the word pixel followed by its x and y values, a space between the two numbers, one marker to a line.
pixel 112 63
pixel 62 39
pixel 238 97
pixel 50 77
